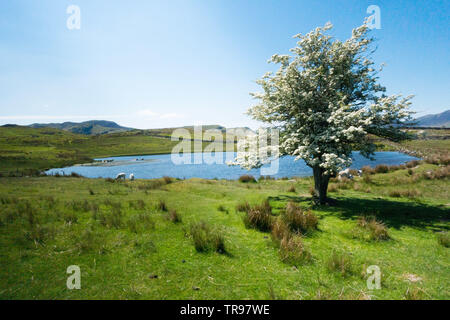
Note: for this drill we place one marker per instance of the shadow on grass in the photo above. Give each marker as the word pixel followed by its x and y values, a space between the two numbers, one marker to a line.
pixel 394 214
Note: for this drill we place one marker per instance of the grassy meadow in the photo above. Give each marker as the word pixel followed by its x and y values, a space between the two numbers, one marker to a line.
pixel 219 239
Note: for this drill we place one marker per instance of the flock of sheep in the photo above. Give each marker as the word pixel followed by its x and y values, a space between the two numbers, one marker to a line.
pixel 342 174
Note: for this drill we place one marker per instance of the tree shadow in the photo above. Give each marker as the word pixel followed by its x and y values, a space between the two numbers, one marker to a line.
pixel 395 214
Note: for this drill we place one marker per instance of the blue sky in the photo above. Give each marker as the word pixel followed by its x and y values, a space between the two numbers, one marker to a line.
pixel 151 64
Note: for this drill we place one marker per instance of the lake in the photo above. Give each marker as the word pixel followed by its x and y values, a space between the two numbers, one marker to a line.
pixel 157 166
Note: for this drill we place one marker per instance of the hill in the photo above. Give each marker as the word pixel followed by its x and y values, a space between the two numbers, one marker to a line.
pixel 435 120
pixel 92 127
pixel 26 151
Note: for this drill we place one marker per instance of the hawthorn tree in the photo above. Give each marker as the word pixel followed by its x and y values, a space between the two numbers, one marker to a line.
pixel 325 100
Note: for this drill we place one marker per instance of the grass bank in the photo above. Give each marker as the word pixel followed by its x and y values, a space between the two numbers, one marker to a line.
pixel 186 239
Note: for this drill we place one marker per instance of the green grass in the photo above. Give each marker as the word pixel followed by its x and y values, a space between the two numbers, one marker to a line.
pixel 128 248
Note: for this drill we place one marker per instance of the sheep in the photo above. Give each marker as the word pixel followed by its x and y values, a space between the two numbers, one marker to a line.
pixel 121 176
pixel 345 174
pixel 131 177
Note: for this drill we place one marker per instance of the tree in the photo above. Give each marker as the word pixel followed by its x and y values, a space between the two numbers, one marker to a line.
pixel 325 100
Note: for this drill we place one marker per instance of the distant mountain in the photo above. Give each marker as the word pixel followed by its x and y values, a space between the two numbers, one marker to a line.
pixel 92 127
pixel 435 120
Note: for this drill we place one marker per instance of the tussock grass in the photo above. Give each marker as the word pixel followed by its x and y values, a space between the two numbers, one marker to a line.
pixel 444 239
pixel 206 238
pixel 137 204
pixel 246 178
pixel 340 262
pixel 279 231
pixel 174 216
pixel 114 219
pixel 222 208
pixel 369 228
pixel 293 251
pixel 259 217
pixel 90 240
pixel 299 220
pixel 39 234
pixel 291 189
pixel 404 193
pixel 332 187
pixel 243 207
pixel 140 222
pixel 162 206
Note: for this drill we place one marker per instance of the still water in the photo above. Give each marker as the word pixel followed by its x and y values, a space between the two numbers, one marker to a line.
pixel 157 166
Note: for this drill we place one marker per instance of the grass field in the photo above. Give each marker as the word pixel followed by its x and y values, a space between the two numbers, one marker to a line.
pixel 144 239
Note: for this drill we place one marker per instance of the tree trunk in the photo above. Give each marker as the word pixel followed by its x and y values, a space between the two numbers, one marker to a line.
pixel 320 184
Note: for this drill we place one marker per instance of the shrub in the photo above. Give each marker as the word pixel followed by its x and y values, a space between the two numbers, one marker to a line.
pixel 299 221
pixel 91 192
pixel 173 216
pixel 340 262
pixel 206 239
pixel 381 168
pixel 247 178
pixel 293 251
pixel 259 217
pixel 444 239
pixel 291 189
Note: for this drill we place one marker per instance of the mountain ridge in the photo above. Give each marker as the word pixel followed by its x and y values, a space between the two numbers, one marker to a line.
pixel 437 120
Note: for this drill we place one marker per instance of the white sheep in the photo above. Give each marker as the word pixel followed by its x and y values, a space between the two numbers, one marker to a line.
pixel 121 176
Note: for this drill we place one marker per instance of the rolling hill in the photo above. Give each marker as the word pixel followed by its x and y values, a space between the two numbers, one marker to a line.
pixel 92 127
pixel 435 120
